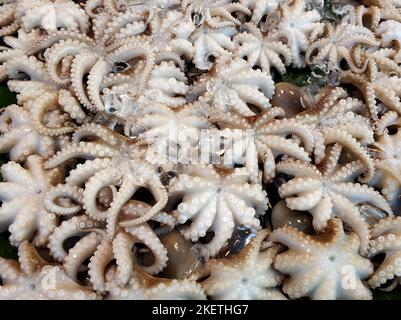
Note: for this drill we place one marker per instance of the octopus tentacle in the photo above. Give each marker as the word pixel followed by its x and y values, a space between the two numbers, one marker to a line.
pixel 39 107
pixel 63 191
pixel 82 65
pixel 85 150
pixel 76 226
pixel 97 265
pixel 81 251
pixel 335 135
pixel 161 198
pixel 100 180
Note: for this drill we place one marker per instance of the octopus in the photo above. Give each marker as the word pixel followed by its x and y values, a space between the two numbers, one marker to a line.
pixel 32 278
pixel 389 9
pixel 125 176
pixel 272 136
pixel 211 44
pixel 16 45
pixel 238 88
pixel 22 212
pixel 384 59
pixel 329 118
pixel 337 46
pixel 216 14
pixel 51 15
pixel 260 51
pixel 167 85
pixel 261 9
pixel 387 166
pixel 330 192
pixel 368 17
pixel 8 24
pixel 214 202
pixel 247 276
pixel 94 245
pixel 326 266
pixel 299 28
pixel 389 36
pixel 87 62
pixel 15 123
pixel 386 240
pixel 375 85
pixel 170 133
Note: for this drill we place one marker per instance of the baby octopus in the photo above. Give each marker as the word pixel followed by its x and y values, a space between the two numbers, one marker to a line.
pixel 323 266
pixel 215 202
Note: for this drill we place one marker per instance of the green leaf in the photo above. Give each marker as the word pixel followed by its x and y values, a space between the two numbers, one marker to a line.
pixel 6 249
pixel 393 295
pixel 6 96
pixel 299 77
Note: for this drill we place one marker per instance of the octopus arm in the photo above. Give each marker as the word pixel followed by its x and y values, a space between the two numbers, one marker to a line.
pixel 83 172
pixel 67 229
pixel 8 211
pixel 96 75
pixel 358 194
pixel 349 213
pixel 332 135
pixel 280 145
pixel 101 179
pixel 81 66
pixel 38 109
pixel 322 213
pixel 28 145
pixel 81 251
pixel 84 150
pixel 160 195
pixel 201 221
pixel 98 265
pixel 388 225
pixel 9 190
pixel 222 227
pixel 286 127
pixel 388 270
pixel 23 65
pixel 73 193
pixel 269 163
pixel 291 238
pixel 299 169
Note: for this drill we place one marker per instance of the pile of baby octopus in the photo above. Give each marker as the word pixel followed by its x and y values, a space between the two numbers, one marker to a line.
pixel 305 208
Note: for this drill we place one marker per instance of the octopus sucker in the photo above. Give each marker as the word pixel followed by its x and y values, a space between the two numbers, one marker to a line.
pixel 160 149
